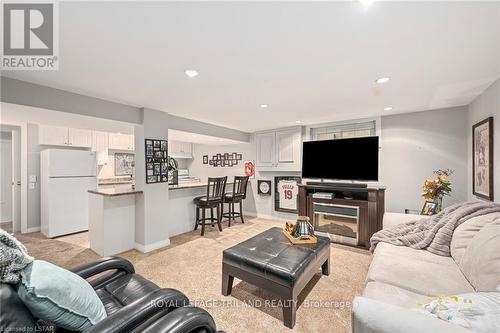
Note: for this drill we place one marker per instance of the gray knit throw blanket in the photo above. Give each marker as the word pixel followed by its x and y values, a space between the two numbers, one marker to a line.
pixel 433 234
pixel 13 258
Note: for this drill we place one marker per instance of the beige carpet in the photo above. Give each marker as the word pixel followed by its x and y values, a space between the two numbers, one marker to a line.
pixel 192 264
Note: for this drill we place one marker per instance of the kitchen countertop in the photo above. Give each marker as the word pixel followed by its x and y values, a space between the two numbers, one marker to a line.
pixel 191 185
pixel 114 192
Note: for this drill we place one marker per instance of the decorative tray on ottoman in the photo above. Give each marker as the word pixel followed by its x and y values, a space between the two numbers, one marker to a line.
pixel 301 232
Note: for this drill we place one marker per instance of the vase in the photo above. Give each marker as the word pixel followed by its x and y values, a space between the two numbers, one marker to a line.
pixel 439 204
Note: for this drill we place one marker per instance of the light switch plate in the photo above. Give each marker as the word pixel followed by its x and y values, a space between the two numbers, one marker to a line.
pixel 33 178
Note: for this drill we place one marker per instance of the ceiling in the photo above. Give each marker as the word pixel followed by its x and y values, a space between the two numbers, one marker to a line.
pixel 310 62
pixel 175 135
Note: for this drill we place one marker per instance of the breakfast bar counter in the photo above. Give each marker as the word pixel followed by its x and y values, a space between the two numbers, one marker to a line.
pixel 112 220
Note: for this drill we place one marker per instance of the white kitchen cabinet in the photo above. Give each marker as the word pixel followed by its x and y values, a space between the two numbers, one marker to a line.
pixel 100 146
pixel 279 150
pixel 52 135
pixel 64 136
pixel 179 149
pixel 79 137
pixel 121 141
pixel 266 143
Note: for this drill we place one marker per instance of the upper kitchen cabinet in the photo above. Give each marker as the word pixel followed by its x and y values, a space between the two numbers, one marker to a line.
pixel 100 146
pixel 63 136
pixel 279 150
pixel 121 141
pixel 79 137
pixel 179 149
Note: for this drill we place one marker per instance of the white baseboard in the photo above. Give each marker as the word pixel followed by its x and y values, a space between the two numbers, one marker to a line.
pixel 269 217
pixel 33 229
pixel 151 247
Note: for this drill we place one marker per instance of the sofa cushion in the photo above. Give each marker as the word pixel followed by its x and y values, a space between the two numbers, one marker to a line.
pixel 481 260
pixel 390 294
pixel 463 234
pixel 418 271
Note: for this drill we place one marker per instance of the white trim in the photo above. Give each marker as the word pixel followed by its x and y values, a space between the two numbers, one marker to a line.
pixel 24 171
pixel 271 217
pixel 151 247
pixel 33 229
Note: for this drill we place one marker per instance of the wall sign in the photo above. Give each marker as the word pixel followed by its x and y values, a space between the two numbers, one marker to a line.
pixel 223 159
pixel 264 187
pixel 249 170
pixel 286 194
pixel 156 161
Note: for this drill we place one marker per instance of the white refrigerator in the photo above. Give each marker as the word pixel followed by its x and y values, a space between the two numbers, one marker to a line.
pixel 66 177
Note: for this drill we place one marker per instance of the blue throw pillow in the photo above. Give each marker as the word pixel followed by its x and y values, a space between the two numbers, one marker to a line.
pixel 59 296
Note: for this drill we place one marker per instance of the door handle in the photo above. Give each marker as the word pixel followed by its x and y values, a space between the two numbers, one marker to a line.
pixel 18 183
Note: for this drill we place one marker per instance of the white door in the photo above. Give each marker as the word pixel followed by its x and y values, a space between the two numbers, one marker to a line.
pixel 265 149
pixel 52 135
pixel 16 180
pixel 79 138
pixel 285 146
pixel 5 181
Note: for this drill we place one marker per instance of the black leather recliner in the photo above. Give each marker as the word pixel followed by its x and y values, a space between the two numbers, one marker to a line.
pixel 133 304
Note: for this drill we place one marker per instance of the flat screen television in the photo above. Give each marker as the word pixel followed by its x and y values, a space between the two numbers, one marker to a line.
pixel 341 159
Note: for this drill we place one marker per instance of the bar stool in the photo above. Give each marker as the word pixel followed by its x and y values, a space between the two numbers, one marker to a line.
pixel 237 196
pixel 215 194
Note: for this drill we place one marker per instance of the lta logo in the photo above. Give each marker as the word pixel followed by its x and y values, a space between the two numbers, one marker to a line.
pixel 29 36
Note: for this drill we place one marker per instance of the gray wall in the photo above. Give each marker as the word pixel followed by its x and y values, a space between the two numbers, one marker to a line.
pixel 415 144
pixel 486 105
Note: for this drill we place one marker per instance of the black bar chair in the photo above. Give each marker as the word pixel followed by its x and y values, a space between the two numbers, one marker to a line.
pixel 214 198
pixel 237 196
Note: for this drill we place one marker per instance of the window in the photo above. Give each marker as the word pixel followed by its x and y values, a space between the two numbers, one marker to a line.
pixel 367 128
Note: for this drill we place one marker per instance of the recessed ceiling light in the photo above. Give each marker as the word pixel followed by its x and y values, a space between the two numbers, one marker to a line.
pixel 382 80
pixel 297 121
pixel 264 106
pixel 191 73
pixel 389 108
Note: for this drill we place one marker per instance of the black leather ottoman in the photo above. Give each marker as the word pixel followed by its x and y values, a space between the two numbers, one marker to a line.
pixel 271 262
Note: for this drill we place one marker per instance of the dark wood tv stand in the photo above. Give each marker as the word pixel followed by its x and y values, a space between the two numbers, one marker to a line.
pixel 368 202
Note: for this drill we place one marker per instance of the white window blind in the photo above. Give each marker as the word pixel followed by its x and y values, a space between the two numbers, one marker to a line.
pixel 351 130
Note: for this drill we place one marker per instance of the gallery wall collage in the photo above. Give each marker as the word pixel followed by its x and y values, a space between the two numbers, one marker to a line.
pixel 156 161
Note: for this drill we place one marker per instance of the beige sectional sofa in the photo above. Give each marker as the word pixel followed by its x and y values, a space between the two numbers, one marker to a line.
pixel 401 277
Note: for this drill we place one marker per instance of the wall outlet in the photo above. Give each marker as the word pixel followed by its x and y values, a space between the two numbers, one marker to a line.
pixel 31 186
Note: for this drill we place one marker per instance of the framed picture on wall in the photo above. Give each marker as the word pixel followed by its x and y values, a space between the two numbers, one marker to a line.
pixel 124 164
pixel 286 194
pixel 264 187
pixel 482 162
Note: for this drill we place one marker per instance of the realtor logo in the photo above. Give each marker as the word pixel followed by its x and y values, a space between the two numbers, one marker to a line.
pixel 29 36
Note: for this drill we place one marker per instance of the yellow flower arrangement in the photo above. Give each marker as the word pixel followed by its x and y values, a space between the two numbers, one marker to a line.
pixel 436 189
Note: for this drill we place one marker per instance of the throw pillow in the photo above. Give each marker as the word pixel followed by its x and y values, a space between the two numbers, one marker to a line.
pixel 59 296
